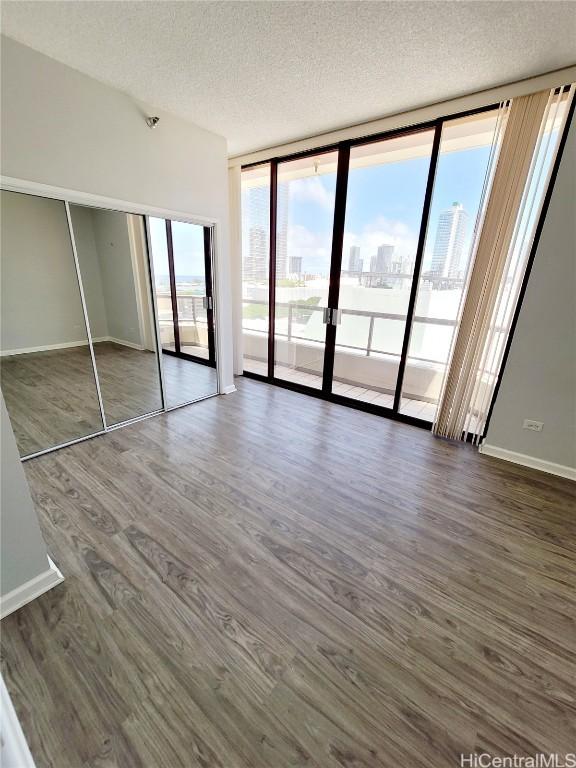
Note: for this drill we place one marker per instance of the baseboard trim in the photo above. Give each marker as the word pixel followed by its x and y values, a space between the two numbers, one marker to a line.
pixel 30 590
pixel 124 343
pixel 69 345
pixel 229 389
pixel 44 348
pixel 529 461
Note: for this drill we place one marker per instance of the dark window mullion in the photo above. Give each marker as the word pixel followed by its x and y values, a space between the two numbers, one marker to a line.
pixel 209 294
pixel 418 263
pixel 173 295
pixel 272 267
pixel 336 260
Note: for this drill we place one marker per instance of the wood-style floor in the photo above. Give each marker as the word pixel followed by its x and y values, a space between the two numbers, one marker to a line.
pixel 265 580
pixel 52 399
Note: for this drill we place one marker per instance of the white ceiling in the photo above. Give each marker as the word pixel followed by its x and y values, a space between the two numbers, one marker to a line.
pixel 262 73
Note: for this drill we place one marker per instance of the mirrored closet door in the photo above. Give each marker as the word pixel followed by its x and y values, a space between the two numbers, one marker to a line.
pixel 46 370
pixel 112 258
pixel 182 265
pixel 82 316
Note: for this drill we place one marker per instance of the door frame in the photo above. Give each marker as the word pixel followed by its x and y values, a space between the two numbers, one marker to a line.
pixel 343 148
pixel 177 352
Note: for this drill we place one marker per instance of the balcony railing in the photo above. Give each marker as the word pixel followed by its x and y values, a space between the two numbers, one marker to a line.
pixel 296 309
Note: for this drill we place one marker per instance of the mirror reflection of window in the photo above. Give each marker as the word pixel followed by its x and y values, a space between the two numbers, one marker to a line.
pixel 46 368
pixel 182 263
pixel 112 256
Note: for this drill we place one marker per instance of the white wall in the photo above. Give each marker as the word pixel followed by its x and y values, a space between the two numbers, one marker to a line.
pixel 90 270
pixel 113 247
pixel 41 303
pixel 539 380
pixel 23 552
pixel 104 255
pixel 64 129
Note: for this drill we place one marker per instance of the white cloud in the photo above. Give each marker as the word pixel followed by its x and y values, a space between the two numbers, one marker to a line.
pixel 314 247
pixel 311 190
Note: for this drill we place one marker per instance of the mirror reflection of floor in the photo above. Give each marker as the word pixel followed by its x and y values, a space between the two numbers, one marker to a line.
pixel 51 396
pixel 186 380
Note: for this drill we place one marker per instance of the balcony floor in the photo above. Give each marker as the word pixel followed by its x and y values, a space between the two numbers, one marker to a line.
pixel 189 349
pixel 410 407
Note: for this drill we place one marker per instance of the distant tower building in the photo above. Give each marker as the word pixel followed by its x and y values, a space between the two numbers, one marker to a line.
pixel 448 255
pixel 296 265
pixel 382 262
pixel 256 204
pixel 355 263
pixel 257 207
pixel 282 264
pixel 256 262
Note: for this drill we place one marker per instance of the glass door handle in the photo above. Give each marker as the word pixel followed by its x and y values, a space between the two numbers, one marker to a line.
pixel 207 302
pixel 332 316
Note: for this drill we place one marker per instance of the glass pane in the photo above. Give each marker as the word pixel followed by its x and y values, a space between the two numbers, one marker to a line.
pixel 305 218
pixel 255 267
pixel 184 313
pixel 46 368
pixel 386 188
pixel 462 165
pixel 112 256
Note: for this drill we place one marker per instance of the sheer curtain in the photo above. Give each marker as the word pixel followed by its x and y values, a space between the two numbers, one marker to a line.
pixel 523 155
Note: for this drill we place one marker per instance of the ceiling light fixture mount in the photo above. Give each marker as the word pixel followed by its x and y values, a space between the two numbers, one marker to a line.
pixel 152 122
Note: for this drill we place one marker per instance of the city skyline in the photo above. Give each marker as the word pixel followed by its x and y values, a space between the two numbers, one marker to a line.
pixel 384 208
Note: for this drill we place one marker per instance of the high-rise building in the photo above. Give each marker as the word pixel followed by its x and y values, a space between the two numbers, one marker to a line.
pixel 282 264
pixel 448 254
pixel 256 203
pixel 256 262
pixel 295 265
pixel 382 261
pixel 355 263
pixel 257 206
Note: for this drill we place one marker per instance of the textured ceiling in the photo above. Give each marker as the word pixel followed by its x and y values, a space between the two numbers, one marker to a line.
pixel 261 73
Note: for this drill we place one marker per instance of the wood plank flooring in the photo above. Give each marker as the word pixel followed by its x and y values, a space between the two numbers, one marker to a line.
pixel 266 580
pixel 51 396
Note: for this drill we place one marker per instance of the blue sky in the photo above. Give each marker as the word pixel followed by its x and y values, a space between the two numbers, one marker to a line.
pixel 384 205
pixel 188 244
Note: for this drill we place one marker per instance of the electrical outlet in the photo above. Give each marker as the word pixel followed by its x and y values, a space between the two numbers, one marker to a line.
pixel 535 426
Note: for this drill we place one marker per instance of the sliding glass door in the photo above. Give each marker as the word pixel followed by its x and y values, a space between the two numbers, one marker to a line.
pixel 385 197
pixel 368 248
pixel 256 268
pixel 463 163
pixel 305 195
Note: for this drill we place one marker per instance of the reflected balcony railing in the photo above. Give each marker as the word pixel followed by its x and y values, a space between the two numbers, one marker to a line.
pixel 191 309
